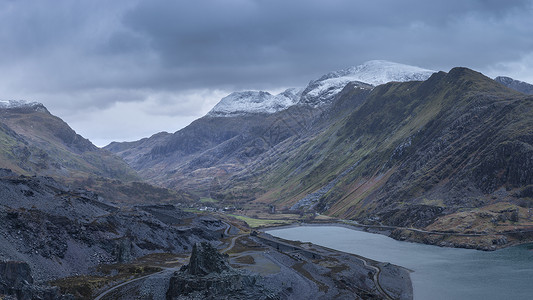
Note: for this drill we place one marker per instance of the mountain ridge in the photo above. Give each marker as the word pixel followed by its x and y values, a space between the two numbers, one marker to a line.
pixel 318 92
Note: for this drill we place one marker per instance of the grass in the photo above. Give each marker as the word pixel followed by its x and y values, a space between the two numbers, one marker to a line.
pixel 245 244
pixel 208 200
pixel 247 259
pixel 256 223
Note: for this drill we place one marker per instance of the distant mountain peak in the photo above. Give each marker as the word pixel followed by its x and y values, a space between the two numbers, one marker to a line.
pixel 240 103
pixel 374 72
pixel 14 104
pixel 517 85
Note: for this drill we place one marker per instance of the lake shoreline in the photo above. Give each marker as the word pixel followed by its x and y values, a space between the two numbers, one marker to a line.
pixel 485 242
pixel 439 272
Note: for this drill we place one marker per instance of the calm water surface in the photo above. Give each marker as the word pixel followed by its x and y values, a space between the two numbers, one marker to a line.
pixel 439 273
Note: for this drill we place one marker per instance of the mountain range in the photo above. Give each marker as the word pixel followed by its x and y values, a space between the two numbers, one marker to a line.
pixel 244 125
pixel 380 143
pixel 408 147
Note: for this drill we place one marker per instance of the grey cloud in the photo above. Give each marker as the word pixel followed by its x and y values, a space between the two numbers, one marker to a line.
pixel 97 54
pixel 262 42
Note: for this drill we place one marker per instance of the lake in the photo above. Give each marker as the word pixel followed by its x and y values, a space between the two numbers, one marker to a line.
pixel 439 273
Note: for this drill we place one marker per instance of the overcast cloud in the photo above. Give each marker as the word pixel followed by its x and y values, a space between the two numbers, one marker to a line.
pixel 123 70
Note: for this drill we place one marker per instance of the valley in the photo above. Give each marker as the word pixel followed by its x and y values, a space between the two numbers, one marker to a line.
pixel 437 158
pixel 450 154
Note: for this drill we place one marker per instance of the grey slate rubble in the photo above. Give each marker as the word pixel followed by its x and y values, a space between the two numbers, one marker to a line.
pixel 60 232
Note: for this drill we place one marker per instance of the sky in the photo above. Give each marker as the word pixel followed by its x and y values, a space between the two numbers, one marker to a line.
pixel 123 70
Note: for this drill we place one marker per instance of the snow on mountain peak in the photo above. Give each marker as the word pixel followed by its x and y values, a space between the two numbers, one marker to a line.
pixel 318 92
pixel 22 104
pixel 374 72
pixel 239 103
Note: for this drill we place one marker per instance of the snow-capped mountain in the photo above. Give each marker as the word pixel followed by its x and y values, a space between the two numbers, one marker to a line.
pixel 375 72
pixel 318 92
pixel 239 103
pixel 6 104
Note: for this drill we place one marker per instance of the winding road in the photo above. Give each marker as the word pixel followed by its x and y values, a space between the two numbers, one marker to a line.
pixel 376 277
pixel 102 295
pixel 232 242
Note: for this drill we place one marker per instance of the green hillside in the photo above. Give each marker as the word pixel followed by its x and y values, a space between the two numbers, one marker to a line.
pixel 417 154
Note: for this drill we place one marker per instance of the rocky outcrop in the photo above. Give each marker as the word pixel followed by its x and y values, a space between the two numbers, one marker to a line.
pixel 209 276
pixel 205 259
pixel 16 281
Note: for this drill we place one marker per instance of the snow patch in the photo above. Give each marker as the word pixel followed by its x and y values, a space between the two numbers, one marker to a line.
pixel 240 103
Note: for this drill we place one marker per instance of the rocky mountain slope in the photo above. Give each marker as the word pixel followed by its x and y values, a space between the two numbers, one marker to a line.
pixel 211 147
pixel 60 243
pixel 33 141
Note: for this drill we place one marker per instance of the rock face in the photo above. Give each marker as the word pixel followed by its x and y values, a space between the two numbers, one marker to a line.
pixel 16 280
pixel 212 147
pixel 209 276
